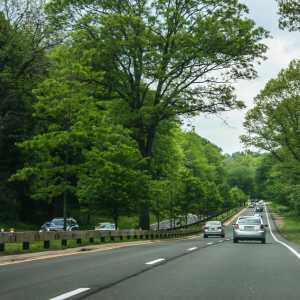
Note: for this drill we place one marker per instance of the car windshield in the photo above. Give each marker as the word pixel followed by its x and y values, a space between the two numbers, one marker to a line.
pixel 105 225
pixel 249 221
pixel 213 223
pixel 58 222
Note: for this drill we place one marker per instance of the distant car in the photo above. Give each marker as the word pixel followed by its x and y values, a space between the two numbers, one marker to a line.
pixel 249 228
pixel 105 226
pixel 258 215
pixel 259 208
pixel 57 224
pixel 214 228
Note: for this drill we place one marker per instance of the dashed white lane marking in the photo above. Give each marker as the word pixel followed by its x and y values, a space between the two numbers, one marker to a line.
pixel 192 249
pixel 277 240
pixel 209 243
pixel 152 262
pixel 221 241
pixel 70 294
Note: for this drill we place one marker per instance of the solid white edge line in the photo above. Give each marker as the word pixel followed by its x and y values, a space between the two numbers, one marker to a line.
pixel 70 294
pixel 191 249
pixel 276 239
pixel 210 243
pixel 152 262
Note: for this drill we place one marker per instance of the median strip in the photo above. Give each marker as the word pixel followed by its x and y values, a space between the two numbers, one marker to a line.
pixel 152 262
pixel 70 294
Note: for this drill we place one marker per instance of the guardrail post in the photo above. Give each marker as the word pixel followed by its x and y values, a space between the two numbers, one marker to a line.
pixel 112 238
pixel 25 245
pixel 2 247
pixel 128 237
pixel 46 244
pixel 91 240
pixel 102 239
pixel 79 241
pixel 64 243
pixel 121 237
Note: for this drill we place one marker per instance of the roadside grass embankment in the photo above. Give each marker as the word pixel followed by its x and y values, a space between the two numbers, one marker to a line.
pixel 287 222
pixel 38 246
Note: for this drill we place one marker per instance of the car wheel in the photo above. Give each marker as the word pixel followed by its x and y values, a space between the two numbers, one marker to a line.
pixel 205 236
pixel 222 236
pixel 235 240
pixel 263 241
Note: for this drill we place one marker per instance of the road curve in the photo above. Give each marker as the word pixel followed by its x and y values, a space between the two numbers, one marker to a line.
pixel 212 268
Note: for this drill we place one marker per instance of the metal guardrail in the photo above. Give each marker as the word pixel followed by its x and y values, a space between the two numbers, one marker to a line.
pixel 47 237
pixel 90 235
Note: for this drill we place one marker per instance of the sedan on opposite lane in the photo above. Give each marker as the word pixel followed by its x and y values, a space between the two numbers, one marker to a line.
pixel 249 228
pixel 214 228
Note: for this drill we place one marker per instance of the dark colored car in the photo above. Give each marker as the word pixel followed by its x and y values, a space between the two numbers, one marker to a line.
pixel 57 224
pixel 259 208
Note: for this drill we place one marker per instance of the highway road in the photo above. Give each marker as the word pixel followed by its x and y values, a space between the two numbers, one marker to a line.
pixel 195 268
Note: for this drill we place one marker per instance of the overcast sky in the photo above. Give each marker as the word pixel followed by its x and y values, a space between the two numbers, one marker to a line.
pixel 283 47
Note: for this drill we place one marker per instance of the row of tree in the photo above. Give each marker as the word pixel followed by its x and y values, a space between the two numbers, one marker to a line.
pixel 92 94
pixel 273 126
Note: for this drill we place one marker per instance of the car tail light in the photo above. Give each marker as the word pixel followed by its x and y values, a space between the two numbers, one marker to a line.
pixel 236 226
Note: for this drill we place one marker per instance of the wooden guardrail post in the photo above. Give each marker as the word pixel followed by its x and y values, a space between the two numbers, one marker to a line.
pixel 64 243
pixel 25 245
pixel 46 244
pixel 2 247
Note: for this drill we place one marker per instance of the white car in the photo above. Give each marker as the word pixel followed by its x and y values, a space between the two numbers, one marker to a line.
pixel 106 226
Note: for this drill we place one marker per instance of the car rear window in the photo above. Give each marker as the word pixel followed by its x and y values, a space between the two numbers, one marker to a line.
pixel 248 221
pixel 213 223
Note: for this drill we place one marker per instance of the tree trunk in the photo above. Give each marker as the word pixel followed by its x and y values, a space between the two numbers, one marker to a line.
pixel 116 221
pixel 146 146
pixel 158 220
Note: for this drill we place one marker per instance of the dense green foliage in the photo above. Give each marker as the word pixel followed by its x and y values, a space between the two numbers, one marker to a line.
pixel 273 125
pixel 289 11
pixel 91 98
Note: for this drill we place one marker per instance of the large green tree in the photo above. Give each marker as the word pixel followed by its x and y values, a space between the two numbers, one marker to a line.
pixel 273 125
pixel 22 67
pixel 166 58
pixel 78 154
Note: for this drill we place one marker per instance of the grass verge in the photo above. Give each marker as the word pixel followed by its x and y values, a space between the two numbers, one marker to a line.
pixel 290 225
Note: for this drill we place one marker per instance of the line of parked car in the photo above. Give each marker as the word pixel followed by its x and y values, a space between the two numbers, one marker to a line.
pixel 57 224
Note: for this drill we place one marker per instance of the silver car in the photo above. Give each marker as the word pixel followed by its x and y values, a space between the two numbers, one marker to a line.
pixel 213 228
pixel 249 228
pixel 105 227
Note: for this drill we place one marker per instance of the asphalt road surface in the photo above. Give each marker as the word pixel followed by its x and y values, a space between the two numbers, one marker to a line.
pixel 197 268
